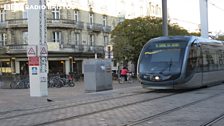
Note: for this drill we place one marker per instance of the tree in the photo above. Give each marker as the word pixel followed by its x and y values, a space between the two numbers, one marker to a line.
pixel 220 37
pixel 129 36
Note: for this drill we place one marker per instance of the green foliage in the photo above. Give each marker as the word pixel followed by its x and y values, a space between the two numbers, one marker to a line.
pixel 220 37
pixel 129 37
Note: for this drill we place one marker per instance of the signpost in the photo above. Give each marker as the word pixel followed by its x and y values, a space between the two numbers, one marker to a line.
pixel 37 48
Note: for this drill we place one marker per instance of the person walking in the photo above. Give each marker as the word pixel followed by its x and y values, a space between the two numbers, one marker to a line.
pixel 124 73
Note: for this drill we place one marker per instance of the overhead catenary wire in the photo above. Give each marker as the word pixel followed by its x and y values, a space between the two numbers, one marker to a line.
pixel 213 4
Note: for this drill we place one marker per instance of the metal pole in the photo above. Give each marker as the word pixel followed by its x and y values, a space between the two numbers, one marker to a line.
pixel 204 18
pixel 164 13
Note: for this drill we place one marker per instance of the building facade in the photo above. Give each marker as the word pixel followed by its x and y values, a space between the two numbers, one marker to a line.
pixel 73 35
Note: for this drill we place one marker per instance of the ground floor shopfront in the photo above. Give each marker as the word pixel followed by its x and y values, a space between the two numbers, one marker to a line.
pixel 62 65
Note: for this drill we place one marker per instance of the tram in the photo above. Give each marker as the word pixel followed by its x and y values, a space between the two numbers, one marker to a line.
pixel 181 62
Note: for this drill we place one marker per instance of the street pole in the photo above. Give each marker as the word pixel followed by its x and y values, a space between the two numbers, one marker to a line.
pixel 204 17
pixel 164 13
pixel 37 48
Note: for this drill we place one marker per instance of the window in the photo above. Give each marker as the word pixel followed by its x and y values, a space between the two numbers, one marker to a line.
pixel 76 15
pixel 77 38
pixel 157 10
pixel 152 10
pixel 57 37
pixel 91 18
pixel 2 39
pixel 25 37
pixel 56 13
pixel 91 40
pixel 106 40
pixel 2 15
pixel 5 67
pixel 104 20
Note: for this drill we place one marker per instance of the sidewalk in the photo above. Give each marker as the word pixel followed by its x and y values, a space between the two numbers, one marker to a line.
pixel 15 99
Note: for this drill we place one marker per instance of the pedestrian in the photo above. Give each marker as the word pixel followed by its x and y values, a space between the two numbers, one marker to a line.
pixel 124 73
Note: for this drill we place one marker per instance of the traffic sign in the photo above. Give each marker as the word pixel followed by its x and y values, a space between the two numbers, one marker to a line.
pixel 31 50
pixel 34 61
pixel 43 50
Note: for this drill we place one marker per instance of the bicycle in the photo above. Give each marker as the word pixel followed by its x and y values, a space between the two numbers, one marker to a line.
pixel 18 83
pixel 121 79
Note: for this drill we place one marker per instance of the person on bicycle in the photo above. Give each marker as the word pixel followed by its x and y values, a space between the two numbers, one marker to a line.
pixel 124 73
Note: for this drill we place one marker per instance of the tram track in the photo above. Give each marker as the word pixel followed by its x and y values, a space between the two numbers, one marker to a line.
pixel 64 107
pixel 144 120
pixel 76 115
pixel 102 110
pixel 214 120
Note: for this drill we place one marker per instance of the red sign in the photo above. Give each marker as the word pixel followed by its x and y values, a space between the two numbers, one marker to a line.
pixel 34 61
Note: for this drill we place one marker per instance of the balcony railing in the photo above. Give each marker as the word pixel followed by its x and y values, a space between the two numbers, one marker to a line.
pixel 11 23
pixel 3 24
pixel 65 23
pixel 85 48
pixel 95 27
pixel 56 47
pixel 17 21
pixel 107 29
pixel 16 48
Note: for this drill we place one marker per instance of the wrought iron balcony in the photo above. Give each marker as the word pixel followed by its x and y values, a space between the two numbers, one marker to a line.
pixel 65 23
pixel 95 27
pixel 107 28
pixel 55 47
pixel 84 48
pixel 3 24
pixel 2 48
pixel 16 48
pixel 14 23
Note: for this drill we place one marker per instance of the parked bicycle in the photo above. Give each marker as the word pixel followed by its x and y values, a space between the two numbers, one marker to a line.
pixel 18 83
pixel 58 81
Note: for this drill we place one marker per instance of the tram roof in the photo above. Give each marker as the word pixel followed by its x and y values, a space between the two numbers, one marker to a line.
pixel 189 39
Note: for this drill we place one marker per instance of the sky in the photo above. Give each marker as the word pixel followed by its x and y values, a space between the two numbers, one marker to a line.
pixel 187 14
pixel 184 12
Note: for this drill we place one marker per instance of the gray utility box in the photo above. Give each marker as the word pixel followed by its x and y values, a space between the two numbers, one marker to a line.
pixel 97 75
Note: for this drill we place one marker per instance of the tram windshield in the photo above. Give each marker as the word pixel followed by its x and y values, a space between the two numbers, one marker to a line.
pixel 165 57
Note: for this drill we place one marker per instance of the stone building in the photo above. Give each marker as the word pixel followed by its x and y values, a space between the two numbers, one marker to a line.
pixel 73 35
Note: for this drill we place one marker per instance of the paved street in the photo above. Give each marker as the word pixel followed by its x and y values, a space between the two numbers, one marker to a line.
pixel 126 104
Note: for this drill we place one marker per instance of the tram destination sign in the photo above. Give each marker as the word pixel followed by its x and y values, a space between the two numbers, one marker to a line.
pixel 167 45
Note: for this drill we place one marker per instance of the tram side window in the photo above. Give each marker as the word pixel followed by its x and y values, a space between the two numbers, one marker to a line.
pixel 221 59
pixel 193 60
pixel 213 60
pixel 210 60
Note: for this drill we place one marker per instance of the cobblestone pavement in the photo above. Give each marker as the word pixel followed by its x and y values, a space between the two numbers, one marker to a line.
pixel 126 104
pixel 12 98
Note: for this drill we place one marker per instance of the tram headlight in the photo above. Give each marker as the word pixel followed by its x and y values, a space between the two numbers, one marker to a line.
pixel 157 78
